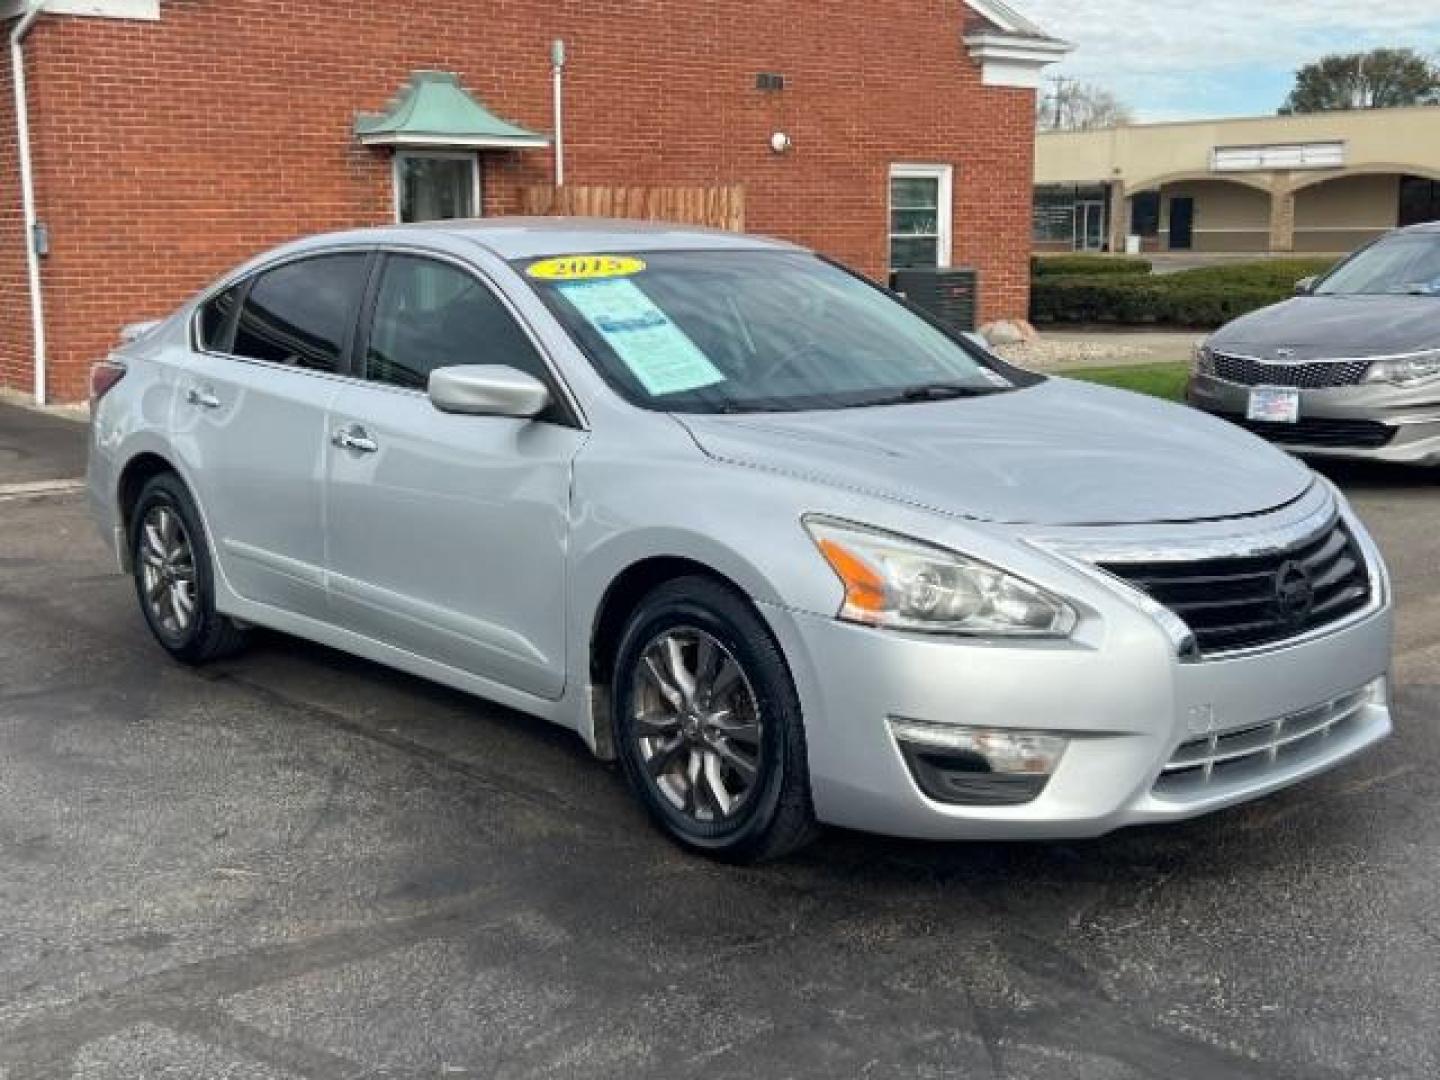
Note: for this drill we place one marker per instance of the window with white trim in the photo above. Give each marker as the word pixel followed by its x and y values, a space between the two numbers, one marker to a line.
pixel 920 215
pixel 436 185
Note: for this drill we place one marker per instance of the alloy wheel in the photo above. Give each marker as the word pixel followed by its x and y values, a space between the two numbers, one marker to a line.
pixel 167 571
pixel 696 722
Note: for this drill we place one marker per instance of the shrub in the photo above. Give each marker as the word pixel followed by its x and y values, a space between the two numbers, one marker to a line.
pixel 1205 297
pixel 1086 265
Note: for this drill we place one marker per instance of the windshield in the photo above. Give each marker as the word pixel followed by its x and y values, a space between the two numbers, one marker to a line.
pixel 1397 265
pixel 753 331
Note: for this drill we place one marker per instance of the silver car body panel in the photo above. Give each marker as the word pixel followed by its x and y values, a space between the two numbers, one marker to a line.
pixel 1414 412
pixel 478 551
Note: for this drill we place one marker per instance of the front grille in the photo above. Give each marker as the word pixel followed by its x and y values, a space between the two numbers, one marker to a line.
pixel 1249 753
pixel 1354 434
pixel 1242 602
pixel 1316 375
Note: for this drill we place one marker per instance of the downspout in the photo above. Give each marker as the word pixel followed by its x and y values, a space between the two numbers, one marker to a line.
pixel 557 71
pixel 27 190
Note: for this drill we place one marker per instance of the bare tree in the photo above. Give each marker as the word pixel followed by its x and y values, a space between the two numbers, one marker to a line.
pixel 1078 106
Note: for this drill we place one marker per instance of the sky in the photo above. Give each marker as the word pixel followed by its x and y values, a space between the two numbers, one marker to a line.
pixel 1173 60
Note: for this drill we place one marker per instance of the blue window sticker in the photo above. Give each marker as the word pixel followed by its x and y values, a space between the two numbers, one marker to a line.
pixel 657 352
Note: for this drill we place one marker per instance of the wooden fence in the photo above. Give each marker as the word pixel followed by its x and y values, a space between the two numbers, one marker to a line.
pixel 714 207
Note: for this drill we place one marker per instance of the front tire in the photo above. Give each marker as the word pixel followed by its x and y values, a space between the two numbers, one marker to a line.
pixel 709 725
pixel 174 575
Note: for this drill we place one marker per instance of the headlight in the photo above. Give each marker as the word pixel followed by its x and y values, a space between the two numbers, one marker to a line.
pixel 1204 360
pixel 1405 370
pixel 903 584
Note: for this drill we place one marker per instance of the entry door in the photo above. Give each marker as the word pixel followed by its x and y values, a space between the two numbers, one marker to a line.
pixel 448 533
pixel 1089 226
pixel 1182 223
pixel 250 422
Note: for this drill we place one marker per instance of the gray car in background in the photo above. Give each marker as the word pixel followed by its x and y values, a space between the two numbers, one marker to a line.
pixel 1348 368
pixel 790 551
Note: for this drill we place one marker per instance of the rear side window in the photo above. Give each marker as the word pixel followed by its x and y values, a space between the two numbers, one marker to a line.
pixel 217 320
pixel 299 314
pixel 430 314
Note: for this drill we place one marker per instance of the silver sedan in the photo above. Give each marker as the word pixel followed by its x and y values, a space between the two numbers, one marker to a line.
pixel 788 549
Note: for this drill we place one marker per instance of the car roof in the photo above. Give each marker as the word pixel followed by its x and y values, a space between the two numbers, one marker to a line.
pixel 532 237
pixel 1423 227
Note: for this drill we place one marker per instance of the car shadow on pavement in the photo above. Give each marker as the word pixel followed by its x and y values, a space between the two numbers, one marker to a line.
pixel 1373 476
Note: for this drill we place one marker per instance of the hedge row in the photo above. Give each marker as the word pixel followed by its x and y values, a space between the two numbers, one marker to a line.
pixel 1086 265
pixel 1202 298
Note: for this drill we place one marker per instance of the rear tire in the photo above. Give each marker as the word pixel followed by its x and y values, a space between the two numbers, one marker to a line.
pixel 174 575
pixel 709 727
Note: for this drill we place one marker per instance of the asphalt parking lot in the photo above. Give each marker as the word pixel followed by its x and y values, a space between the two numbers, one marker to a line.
pixel 298 864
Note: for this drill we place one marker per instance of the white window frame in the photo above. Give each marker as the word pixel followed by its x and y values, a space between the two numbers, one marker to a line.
pixel 945 174
pixel 401 156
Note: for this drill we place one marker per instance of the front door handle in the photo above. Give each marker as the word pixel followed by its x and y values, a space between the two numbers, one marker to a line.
pixel 202 396
pixel 354 438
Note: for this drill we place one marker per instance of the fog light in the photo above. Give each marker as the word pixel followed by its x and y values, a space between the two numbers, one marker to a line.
pixel 978 766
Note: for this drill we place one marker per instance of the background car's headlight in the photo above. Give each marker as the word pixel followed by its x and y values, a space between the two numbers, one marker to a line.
pixel 1405 370
pixel 1204 360
pixel 904 584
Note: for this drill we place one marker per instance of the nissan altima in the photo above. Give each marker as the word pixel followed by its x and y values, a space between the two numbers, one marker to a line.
pixel 788 549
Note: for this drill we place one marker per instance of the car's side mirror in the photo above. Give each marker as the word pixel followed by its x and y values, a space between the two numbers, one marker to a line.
pixel 1306 286
pixel 487 390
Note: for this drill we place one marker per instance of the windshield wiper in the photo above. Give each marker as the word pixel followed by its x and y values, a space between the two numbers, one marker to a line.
pixel 940 391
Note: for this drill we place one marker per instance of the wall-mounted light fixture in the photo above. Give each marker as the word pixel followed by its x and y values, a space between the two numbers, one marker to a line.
pixel 780 142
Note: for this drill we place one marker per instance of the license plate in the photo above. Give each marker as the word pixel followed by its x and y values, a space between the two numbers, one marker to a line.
pixel 1274 405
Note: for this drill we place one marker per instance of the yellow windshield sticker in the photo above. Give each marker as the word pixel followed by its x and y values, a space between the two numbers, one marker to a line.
pixel 585 268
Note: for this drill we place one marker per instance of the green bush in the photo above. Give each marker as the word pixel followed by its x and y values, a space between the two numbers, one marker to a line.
pixel 1205 297
pixel 1086 265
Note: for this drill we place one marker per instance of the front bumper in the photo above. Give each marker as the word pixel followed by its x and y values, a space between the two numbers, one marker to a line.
pixel 1412 416
pixel 1125 700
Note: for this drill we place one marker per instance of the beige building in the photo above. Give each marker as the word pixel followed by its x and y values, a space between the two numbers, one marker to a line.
pixel 1322 183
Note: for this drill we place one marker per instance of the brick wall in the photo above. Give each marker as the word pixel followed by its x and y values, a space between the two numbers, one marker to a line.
pixel 168 151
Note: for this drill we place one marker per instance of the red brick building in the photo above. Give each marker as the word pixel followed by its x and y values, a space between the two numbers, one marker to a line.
pixel 170 139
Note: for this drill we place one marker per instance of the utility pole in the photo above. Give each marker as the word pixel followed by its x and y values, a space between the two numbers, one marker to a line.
pixel 1059 82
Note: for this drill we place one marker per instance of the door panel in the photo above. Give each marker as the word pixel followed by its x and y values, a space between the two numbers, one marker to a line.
pixel 254 437
pixel 252 412
pixel 448 534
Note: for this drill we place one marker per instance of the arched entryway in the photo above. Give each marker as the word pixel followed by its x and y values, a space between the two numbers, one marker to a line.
pixel 1198 212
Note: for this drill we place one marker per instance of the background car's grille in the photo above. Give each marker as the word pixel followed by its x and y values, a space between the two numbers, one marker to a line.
pixel 1235 603
pixel 1248 753
pixel 1316 375
pixel 1317 431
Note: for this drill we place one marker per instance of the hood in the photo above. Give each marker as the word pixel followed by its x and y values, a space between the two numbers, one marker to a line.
pixel 1058 453
pixel 1318 327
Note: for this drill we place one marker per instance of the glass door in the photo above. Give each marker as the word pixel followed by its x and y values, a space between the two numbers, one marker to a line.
pixel 1089 226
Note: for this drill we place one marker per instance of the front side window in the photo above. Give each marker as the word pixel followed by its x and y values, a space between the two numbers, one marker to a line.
pixel 920 214
pixel 436 187
pixel 430 315
pixel 1397 265
pixel 751 331
pixel 300 314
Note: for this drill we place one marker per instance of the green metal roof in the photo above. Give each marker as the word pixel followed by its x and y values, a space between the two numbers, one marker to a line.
pixel 433 109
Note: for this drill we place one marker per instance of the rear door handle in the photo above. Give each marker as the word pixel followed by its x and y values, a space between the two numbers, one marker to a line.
pixel 354 438
pixel 202 396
